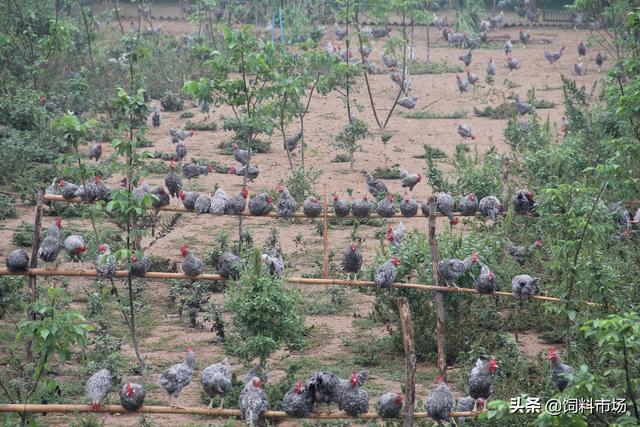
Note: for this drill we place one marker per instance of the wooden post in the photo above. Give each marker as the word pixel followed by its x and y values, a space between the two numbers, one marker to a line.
pixel 441 322
pixel 410 361
pixel 33 263
pixel 505 183
pixel 325 236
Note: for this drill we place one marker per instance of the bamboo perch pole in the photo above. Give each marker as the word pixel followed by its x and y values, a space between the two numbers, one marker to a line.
pixel 212 412
pixel 291 280
pixel 330 215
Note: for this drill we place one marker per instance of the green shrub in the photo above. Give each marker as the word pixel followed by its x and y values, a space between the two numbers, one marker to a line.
pixel 11 293
pixel 259 146
pixel 200 125
pixel 22 110
pixel 186 115
pixel 23 235
pixel 434 67
pixel 7 208
pixel 341 158
pixel 458 114
pixel 172 102
pixel 392 172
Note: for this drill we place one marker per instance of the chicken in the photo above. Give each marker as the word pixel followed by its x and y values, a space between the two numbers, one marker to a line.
pixel 389 61
pixel 139 266
pixel 463 84
pixel 155 118
pixel 351 260
pixel 525 38
pixel 298 401
pixel 464 130
pixel 50 246
pixel 409 180
pixel 229 265
pixel 181 151
pixel 508 47
pixel 87 192
pixel 553 56
pixel 522 253
pixel 599 61
pixel 311 207
pixel 490 206
pixel 408 102
pixel 290 143
pixel 180 135
pixel 408 207
pixel 17 261
pixel 361 208
pixel 339 31
pixel 381 32
pixel 486 281
pixel 472 78
pixel 132 396
pixel 341 207
pixel 216 380
pixel 253 403
pixel 385 275
pixel 579 68
pixel 173 181
pixel 390 405
pixel 241 156
pixel 323 386
pixel 374 185
pixel 523 201
pixel 522 107
pixel 95 150
pixel 524 287
pixel 452 269
pixel 98 387
pixel 576 19
pixel 53 190
pixel 274 262
pixel 218 205
pixel 468 205
pixel 178 376
pixel 365 50
pixel 102 191
pixel 189 199
pixel 252 171
pixel 105 262
pixel 559 370
pixel 497 20
pixel 440 402
pixel 236 205
pixel 456 39
pixel 352 399
pixel 564 125
pixel 75 246
pixel 141 190
pixel 395 237
pixel 445 204
pixel 286 205
pixel 385 207
pixel 472 42
pixel 260 205
pixel 193 170
pixel 491 68
pixel 202 204
pixel 191 265
pixel 480 378
pixel 440 23
pixel 161 197
pixel 466 404
pixel 513 64
pixel 466 59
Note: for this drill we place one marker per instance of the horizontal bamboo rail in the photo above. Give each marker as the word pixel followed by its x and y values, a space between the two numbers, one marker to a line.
pixel 290 280
pixel 176 208
pixel 212 412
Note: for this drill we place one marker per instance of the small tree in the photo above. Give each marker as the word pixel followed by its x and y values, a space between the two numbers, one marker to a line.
pixel 348 138
pixel 265 315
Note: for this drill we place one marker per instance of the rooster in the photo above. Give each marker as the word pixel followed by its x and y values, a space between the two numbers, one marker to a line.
pixel 341 207
pixel 50 246
pixel 361 208
pixel 218 205
pixel 75 246
pixel 181 151
pixel 311 207
pixel 105 262
pixel 374 185
pixel 486 281
pixel 253 403
pixel 173 181
pixel 351 398
pixel 17 261
pixel 491 68
pixel 252 171
pixel 440 402
pixel 409 180
pixel 452 269
pixel 481 378
pixel 298 401
pixel 408 207
pixel 385 275
pixel 468 205
pixel 180 134
pixel 132 396
pixel 522 253
pixel 445 204
pixel 260 205
pixel 385 207
pixel 508 47
pixel 559 370
pixel 351 260
pixel 490 206
pixel 95 151
pixel 188 199
pixel 216 381
pixel 323 386
pixel 522 107
pixel 395 237
pixel 466 59
pixel 553 56
pixel 98 387
pixel 193 170
pixel 524 287
pixel 286 205
pixel 229 265
pixel 178 376
pixel 241 156
pixel 463 84
pixel 191 265
pixel 599 61
pixel 202 204
pixel 523 201
pixel 464 130
pixel 525 38
pixel 139 266
pixel 237 204
pixel 390 405
pixel 497 20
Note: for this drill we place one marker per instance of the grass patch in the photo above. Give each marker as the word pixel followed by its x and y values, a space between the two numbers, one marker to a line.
pixel 392 172
pixel 23 236
pixel 508 110
pixel 322 303
pixel 259 146
pixel 162 155
pixel 341 158
pixel 438 67
pixel 458 114
pixel 7 208
pixel 186 115
pixel 200 125
pixel 431 152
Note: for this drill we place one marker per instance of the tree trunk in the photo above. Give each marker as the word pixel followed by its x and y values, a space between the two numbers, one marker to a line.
pixel 441 322
pixel 33 263
pixel 410 360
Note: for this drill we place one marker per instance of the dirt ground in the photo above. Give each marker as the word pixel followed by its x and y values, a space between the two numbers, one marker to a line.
pixel 168 336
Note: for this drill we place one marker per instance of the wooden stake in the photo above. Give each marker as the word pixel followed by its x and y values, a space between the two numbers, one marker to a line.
pixel 410 361
pixel 505 183
pixel 325 236
pixel 441 321
pixel 33 263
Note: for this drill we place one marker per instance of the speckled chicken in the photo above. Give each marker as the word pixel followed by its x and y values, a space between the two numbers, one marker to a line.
pixel 194 170
pixel 87 192
pixel 67 189
pixel 298 402
pixel 553 56
pixel 105 262
pixel 75 246
pixel 390 405
pixel 50 246
pixel 524 287
pixel 341 207
pixel 351 260
pixel 513 64
pixel 468 205
pixel 286 204
pixel 229 265
pixel 323 386
pixel 181 151
pixel 395 237
pixel 463 84
pixel 522 253
pixel 522 107
pixel 155 118
pixel 173 181
pixel 260 205
pixel 188 199
pixel 98 387
pixel 385 207
pixel 290 143
pixel 481 378
pixel 253 403
pixel 17 261
pixel 464 130
pixel 252 171
pixel 95 150
pixel 241 156
pixel 490 206
pixel 351 397
pixel 467 404
pixel 139 266
pixel 408 207
pixel 141 190
pixel 218 205
pixel 409 180
pixel 385 275
pixel 440 402
pixel 132 396
pixel 486 281
pixel 216 381
pixel 559 369
pixel 445 204
pixel 161 197
pixel 452 269
pixel 191 264
pixel 523 201
pixel 408 102
pixel 274 262
pixel 374 185
pixel 202 204
pixel 178 376
pixel 361 208
pixel 180 134
pixel 311 207
pixel 237 204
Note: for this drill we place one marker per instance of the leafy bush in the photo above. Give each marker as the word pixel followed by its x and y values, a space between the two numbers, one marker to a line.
pixel 392 172
pixel 7 208
pixel 457 114
pixel 434 67
pixel 186 115
pixel 302 183
pixel 258 146
pixel 200 125
pixel 341 158
pixel 11 293
pixel 22 110
pixel 23 235
pixel 172 102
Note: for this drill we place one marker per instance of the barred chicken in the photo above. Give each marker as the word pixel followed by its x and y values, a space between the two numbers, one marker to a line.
pixel 361 208
pixel 132 396
pixel 385 207
pixel 141 190
pixel 579 68
pixel 202 204
pixel 522 253
pixel 193 170
pixel 466 404
pixel 139 266
pixel 440 402
pixel 87 192
pixel 408 207
pixel 486 281
pixel 559 370
pixel 189 199
pixel 395 237
pixel 229 265
pixel 290 143
pixel 323 386
pixel 472 78
pixel 253 403
pixel 218 205
pixel 105 262
pixel 523 201
pixel 508 47
pixel 491 68
pixel 216 381
pixel 390 405
pixel 191 265
pixel 490 206
pixel 445 204
pixel 95 150
pixel 252 171
pixel 524 287
pixel 452 269
pixel 408 102
pixel 260 205
pixel 181 151
pixel 600 61
pixel 241 156
pixel 286 205
pixel 173 181
pixel 522 107
pixel 374 185
pixel 75 246
pixel 341 207
pixel 481 378
pixel 466 59
pixel 464 130
pixel 352 399
pixel 468 205
pixel 274 262
pixel 52 190
pixel 409 180
pixel 351 260
pixel 50 246
pixel 155 118
pixel 17 261
pixel 582 49
pixel 385 275
pixel 237 204
pixel 513 64
pixel 463 84
pixel 180 135
pixel 553 56
pixel 161 197
pixel 98 387
pixel 298 402
pixel 525 37
pixel 311 207
pixel 178 376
